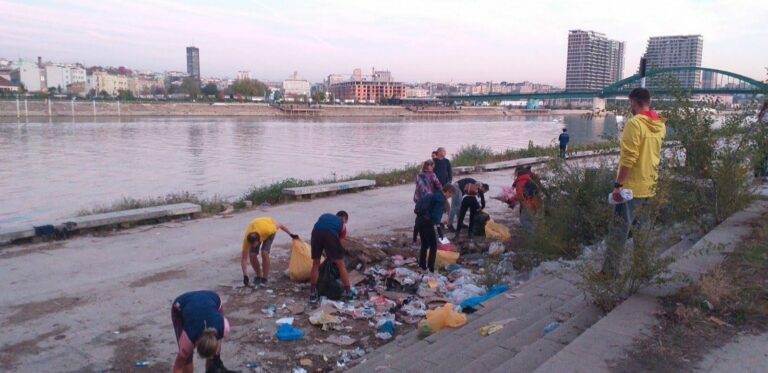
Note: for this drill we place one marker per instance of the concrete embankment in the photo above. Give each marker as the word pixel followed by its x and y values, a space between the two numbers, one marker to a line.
pixel 82 109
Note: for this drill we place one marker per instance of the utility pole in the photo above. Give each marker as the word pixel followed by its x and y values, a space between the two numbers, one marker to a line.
pixel 643 65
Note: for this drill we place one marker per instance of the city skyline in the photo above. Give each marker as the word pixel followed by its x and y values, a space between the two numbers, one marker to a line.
pixel 439 42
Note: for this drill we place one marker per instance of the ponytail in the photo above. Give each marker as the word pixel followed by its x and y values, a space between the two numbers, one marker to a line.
pixel 207 344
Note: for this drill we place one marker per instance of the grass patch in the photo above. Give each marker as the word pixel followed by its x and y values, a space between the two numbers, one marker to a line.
pixel 473 155
pixel 209 205
pixel 729 300
pixel 273 193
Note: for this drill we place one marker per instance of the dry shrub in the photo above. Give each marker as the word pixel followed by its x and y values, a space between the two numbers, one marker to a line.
pixel 716 287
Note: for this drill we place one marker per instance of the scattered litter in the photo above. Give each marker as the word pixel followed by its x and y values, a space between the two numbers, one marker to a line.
pixel 345 356
pixel 252 365
pixel 476 301
pixel 287 333
pixel 445 317
pixel 356 277
pixel 718 321
pixel 116 332
pixel 513 295
pixel 382 304
pixel 305 362
pixel 269 310
pixel 496 248
pixel 490 329
pixel 324 319
pixel 708 305
pixel 341 340
pixel 299 370
pixel 464 292
pixel 270 291
pixel 142 364
pixel 552 326
pixel 386 326
pixel 285 320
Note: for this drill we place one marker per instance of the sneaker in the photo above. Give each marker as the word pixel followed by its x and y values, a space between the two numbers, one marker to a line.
pixel 347 295
pixel 262 281
pixel 313 296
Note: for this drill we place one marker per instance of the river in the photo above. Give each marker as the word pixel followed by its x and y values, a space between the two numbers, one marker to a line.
pixel 51 170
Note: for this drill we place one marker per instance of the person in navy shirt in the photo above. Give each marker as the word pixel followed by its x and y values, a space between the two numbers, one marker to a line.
pixel 199 323
pixel 327 234
pixel 564 139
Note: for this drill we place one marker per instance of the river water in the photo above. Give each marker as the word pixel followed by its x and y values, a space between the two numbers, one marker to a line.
pixel 51 170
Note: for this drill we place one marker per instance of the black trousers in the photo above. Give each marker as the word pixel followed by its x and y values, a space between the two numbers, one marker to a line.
pixel 428 242
pixel 468 203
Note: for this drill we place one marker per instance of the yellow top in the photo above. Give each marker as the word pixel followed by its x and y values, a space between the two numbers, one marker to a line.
pixel 264 227
pixel 641 152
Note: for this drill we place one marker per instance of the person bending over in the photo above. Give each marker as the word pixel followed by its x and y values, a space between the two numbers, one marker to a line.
pixel 258 238
pixel 199 323
pixel 327 234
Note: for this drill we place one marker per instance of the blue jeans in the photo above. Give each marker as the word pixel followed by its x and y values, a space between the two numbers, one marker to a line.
pixel 624 219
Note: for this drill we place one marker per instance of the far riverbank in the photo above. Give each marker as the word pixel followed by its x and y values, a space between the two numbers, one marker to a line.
pixel 83 108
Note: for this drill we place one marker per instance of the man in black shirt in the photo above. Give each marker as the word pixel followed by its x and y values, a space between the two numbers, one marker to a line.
pixel 443 167
pixel 464 183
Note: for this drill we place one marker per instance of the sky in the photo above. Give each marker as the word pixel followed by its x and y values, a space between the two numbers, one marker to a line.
pixel 417 40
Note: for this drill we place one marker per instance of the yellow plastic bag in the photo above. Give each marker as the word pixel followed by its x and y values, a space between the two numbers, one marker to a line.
pixel 496 232
pixel 445 258
pixel 445 317
pixel 300 265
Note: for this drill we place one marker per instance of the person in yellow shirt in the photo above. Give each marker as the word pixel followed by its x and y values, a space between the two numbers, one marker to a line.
pixel 258 238
pixel 638 171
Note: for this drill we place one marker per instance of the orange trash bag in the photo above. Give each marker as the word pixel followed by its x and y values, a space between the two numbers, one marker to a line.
pixel 445 317
pixel 300 265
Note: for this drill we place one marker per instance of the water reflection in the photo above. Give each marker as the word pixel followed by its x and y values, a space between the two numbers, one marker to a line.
pixel 52 170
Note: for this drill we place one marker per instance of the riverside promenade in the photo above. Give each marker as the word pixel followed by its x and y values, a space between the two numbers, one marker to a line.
pixel 100 302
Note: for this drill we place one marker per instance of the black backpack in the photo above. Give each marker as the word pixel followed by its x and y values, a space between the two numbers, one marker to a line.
pixel 329 283
pixel 422 205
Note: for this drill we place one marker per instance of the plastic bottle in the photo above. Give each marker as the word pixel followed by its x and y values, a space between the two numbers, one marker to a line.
pixel 142 364
pixel 552 326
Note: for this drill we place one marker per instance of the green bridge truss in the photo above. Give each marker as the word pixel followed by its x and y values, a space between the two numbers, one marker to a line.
pixel 735 84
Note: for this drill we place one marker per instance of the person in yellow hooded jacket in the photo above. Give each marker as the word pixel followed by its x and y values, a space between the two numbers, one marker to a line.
pixel 639 161
pixel 258 237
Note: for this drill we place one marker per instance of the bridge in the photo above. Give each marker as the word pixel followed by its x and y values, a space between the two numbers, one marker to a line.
pixel 709 82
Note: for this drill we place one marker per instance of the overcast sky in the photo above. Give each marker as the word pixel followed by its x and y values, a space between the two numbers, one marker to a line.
pixel 418 40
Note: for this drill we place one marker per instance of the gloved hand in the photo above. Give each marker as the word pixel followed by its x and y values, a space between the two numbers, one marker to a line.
pixel 246 280
pixel 295 236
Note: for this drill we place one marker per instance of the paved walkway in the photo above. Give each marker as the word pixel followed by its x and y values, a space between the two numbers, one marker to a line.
pixel 748 353
pixel 62 301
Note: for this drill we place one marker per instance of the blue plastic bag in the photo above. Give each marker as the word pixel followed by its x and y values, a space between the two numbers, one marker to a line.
pixel 387 327
pixel 287 333
pixel 473 302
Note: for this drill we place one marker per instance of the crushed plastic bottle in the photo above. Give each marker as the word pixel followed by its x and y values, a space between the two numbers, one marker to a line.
pixel 142 364
pixel 552 326
pixel 252 365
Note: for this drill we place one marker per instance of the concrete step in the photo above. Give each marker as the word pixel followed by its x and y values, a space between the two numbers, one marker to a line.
pixel 530 307
pixel 533 355
pixel 494 350
pixel 495 309
pixel 128 216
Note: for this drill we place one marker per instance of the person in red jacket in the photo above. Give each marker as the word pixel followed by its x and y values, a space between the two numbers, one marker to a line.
pixel 527 194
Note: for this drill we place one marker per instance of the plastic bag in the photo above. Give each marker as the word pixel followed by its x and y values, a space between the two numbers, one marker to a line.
pixel 300 265
pixel 496 232
pixel 445 317
pixel 287 333
pixel 466 292
pixel 329 283
pixel 445 258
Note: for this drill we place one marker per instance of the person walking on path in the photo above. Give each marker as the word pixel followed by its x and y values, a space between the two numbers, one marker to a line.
pixel 426 182
pixel 259 236
pixel 327 234
pixel 199 323
pixel 429 212
pixel 564 139
pixel 443 167
pixel 640 155
pixel 527 194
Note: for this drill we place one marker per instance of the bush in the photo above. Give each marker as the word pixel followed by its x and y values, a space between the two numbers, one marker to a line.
pixel 574 212
pixel 209 206
pixel 273 193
